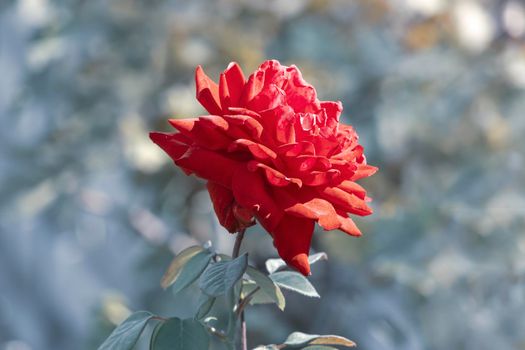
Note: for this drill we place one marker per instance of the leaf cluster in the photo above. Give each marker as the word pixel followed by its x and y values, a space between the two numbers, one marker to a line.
pixel 238 284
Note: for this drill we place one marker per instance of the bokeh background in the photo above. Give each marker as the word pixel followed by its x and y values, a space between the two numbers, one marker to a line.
pixel 91 212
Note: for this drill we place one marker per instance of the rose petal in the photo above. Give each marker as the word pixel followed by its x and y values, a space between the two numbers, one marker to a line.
pixel 296 148
pixel 206 131
pixel 273 176
pixel 346 201
pixel 274 73
pixel 213 122
pixel 348 225
pixel 250 126
pixel 268 98
pixel 279 122
pixel 364 170
pixel 222 200
pixel 353 188
pixel 183 125
pixel 259 151
pixel 318 163
pixel 204 163
pixel 250 191
pixel 207 92
pixel 321 178
pixel 252 88
pixel 231 85
pixel 318 209
pixel 349 154
pixel 292 238
pixel 333 109
pixel 175 145
pixel 347 169
pixel 300 95
pixel 244 111
pixel 325 146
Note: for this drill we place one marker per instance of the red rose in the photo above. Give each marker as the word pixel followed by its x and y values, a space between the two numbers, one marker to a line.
pixel 271 150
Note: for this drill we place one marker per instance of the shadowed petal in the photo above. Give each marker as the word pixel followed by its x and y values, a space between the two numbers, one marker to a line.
pixel 321 178
pixel 279 122
pixel 292 238
pixel 295 149
pixel 273 176
pixel 222 200
pixel 248 125
pixel 257 150
pixel 251 192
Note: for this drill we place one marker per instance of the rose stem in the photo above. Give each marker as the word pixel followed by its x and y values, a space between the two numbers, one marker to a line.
pixel 238 241
pixel 244 344
pixel 235 253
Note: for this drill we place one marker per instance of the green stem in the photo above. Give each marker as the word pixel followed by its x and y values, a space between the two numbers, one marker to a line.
pixel 244 344
pixel 238 241
pixel 235 253
pixel 244 301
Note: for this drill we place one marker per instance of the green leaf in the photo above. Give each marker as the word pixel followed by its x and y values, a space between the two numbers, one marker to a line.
pixel 301 339
pixel 177 334
pixel 268 287
pixel 192 270
pixel 333 340
pixel 176 265
pixel 273 265
pixel 312 259
pixel 221 276
pixel 295 282
pixel 154 334
pixel 260 297
pixel 205 304
pixel 225 257
pixel 267 347
pixel 127 333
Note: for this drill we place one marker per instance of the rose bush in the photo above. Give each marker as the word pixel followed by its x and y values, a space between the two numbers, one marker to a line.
pixel 271 151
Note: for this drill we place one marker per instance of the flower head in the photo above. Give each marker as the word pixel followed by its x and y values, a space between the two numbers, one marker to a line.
pixel 270 150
